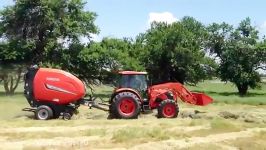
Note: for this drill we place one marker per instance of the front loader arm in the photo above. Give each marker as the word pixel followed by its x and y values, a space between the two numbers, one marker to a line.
pixel 179 91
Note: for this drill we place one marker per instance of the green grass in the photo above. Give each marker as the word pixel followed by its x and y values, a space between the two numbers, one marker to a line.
pixel 227 93
pixel 11 106
pixel 221 93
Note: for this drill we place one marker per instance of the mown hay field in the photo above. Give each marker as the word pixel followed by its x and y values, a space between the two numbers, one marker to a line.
pixel 231 122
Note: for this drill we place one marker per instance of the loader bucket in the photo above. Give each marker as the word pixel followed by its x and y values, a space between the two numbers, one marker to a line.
pixel 202 99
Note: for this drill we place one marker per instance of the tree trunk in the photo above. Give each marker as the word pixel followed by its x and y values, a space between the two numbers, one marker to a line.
pixel 242 89
pixel 11 83
pixel 6 82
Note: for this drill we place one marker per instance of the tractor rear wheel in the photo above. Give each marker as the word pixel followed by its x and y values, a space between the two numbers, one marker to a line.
pixel 125 106
pixel 168 109
pixel 43 112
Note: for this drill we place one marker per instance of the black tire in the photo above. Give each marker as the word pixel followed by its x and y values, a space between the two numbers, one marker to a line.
pixel 68 113
pixel 44 112
pixel 168 109
pixel 67 116
pixel 125 105
pixel 112 111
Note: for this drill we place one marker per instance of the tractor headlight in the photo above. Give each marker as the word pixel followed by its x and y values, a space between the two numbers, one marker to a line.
pixel 171 94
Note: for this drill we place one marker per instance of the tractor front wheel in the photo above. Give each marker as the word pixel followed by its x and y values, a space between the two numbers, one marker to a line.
pixel 125 106
pixel 168 109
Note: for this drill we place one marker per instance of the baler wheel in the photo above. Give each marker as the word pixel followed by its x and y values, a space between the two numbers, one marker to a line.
pixel 125 106
pixel 67 116
pixel 43 112
pixel 168 109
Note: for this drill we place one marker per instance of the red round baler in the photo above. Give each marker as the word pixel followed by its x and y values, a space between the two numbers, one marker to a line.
pixel 53 92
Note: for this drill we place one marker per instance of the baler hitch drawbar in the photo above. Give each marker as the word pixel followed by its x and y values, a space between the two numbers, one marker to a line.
pixel 91 103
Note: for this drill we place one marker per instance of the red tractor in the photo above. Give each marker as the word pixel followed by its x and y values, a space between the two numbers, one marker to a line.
pixel 53 93
pixel 132 95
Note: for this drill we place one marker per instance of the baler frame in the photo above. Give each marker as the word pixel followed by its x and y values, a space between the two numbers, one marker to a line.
pixel 90 102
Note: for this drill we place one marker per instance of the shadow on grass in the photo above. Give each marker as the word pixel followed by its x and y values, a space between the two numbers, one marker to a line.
pixel 27 116
pixel 2 93
pixel 250 94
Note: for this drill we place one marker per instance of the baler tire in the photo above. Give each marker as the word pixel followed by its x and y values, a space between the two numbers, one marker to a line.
pixel 44 112
pixel 67 116
pixel 173 112
pixel 130 98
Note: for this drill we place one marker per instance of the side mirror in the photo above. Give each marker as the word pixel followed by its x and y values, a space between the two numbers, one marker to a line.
pixel 149 81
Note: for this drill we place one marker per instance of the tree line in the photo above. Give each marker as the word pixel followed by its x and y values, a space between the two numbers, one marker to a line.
pixel 48 33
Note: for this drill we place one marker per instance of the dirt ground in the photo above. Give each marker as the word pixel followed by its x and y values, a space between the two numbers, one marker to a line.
pixel 217 126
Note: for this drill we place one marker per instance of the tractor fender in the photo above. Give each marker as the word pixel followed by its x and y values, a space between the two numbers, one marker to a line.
pixel 124 90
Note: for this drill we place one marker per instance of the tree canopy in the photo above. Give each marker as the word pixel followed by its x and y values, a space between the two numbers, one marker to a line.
pixel 175 52
pixel 43 27
pixel 37 32
pixel 240 53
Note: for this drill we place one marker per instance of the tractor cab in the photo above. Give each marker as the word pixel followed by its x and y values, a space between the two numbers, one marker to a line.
pixel 133 79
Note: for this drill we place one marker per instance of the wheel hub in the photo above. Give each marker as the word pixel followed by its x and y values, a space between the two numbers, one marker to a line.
pixel 127 106
pixel 43 114
pixel 169 110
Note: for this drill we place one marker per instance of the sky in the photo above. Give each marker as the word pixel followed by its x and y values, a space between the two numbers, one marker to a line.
pixel 128 18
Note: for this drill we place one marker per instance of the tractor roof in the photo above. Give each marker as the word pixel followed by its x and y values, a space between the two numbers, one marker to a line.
pixel 131 73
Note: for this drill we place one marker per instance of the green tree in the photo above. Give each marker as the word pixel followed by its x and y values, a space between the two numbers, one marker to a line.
pixel 12 65
pixel 38 31
pixel 85 61
pixel 175 52
pixel 11 75
pixel 100 60
pixel 121 54
pixel 239 52
pixel 46 25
